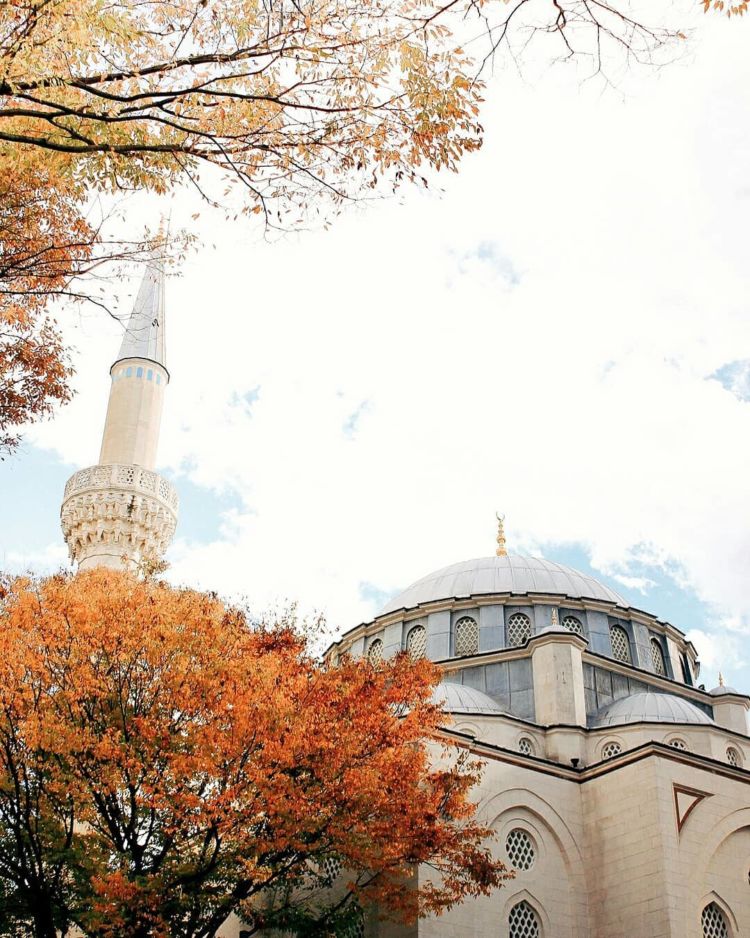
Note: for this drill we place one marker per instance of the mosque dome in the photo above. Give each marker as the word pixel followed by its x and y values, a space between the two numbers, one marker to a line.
pixel 458 698
pixel 508 573
pixel 650 708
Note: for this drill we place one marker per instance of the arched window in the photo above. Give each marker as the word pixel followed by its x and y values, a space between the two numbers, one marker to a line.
pixel 620 643
pixel 609 750
pixel 523 922
pixel 677 743
pixel 330 868
pixel 573 625
pixel 733 756
pixel 519 629
pixel 466 638
pixel 416 641
pixel 714 922
pixel 375 652
pixel 657 656
pixel 520 849
pixel 526 746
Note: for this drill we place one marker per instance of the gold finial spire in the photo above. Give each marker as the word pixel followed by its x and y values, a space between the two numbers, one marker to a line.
pixel 555 618
pixel 721 679
pixel 501 551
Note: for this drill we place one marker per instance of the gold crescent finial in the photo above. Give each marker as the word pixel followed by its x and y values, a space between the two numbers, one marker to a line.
pixel 501 551
pixel 721 679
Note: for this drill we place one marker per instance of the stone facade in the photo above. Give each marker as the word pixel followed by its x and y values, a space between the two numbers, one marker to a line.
pixel 624 782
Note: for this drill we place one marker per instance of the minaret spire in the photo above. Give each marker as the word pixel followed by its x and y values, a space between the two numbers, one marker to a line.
pixel 144 333
pixel 121 512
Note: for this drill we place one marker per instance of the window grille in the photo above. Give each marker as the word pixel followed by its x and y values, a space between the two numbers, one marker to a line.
pixel 375 652
pixel 526 746
pixel 611 749
pixel 678 744
pixel 416 641
pixel 466 640
pixel 714 923
pixel 620 643
pixel 354 930
pixel 523 922
pixel 573 625
pixel 657 657
pixel 733 757
pixel 519 629
pixel 330 868
pixel 520 849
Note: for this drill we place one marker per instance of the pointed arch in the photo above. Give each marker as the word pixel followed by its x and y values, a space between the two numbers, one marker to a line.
pixel 523 895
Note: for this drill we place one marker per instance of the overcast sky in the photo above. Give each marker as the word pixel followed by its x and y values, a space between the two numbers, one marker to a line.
pixel 563 334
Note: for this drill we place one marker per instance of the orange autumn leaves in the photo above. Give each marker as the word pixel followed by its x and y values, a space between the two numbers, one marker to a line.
pixel 165 764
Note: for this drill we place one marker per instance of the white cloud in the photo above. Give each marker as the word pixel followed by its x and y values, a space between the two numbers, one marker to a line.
pixel 538 340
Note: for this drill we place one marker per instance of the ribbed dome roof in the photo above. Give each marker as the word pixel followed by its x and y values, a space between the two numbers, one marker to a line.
pixel 650 708
pixel 511 573
pixel 457 698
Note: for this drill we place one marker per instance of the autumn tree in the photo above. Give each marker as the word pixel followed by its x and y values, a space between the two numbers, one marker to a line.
pixel 301 106
pixel 165 762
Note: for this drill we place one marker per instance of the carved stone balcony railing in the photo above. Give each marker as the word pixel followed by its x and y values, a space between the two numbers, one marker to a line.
pixel 117 511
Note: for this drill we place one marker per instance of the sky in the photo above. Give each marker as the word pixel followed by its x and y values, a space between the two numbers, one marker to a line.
pixel 560 332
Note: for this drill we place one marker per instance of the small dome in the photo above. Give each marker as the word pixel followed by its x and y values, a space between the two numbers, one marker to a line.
pixel 650 708
pixel 510 573
pixel 458 698
pixel 722 689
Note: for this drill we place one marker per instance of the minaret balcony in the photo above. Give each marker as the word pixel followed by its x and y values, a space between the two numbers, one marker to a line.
pixel 116 514
pixel 123 478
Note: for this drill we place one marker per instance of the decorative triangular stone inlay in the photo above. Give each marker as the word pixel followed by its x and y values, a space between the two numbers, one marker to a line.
pixel 685 801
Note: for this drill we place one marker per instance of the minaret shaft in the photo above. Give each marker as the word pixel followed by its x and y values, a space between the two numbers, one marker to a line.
pixel 136 399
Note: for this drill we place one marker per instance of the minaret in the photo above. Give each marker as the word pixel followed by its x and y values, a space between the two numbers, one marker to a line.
pixel 120 512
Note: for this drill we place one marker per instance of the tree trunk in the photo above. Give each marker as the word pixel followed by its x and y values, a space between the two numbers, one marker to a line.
pixel 44 924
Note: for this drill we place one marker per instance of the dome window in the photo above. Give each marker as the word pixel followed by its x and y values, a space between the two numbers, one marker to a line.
pixel 523 922
pixel 520 849
pixel 733 757
pixel 620 644
pixel 375 652
pixel 714 922
pixel 610 750
pixel 657 657
pixel 416 642
pixel 677 743
pixel 526 746
pixel 466 638
pixel 519 629
pixel 573 625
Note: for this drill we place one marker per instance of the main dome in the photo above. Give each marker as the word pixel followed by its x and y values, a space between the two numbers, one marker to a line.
pixel 510 573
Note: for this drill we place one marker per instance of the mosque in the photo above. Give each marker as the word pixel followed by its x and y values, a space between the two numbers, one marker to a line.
pixel 617 784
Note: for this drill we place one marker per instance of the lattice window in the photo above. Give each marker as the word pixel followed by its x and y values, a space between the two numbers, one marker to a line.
pixel 733 757
pixel 375 652
pixel 466 640
pixel 611 749
pixel 416 641
pixel 520 849
pixel 519 629
pixel 523 922
pixel 657 656
pixel 354 930
pixel 620 643
pixel 714 923
pixel 330 868
pixel 678 744
pixel 573 625
pixel 526 746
